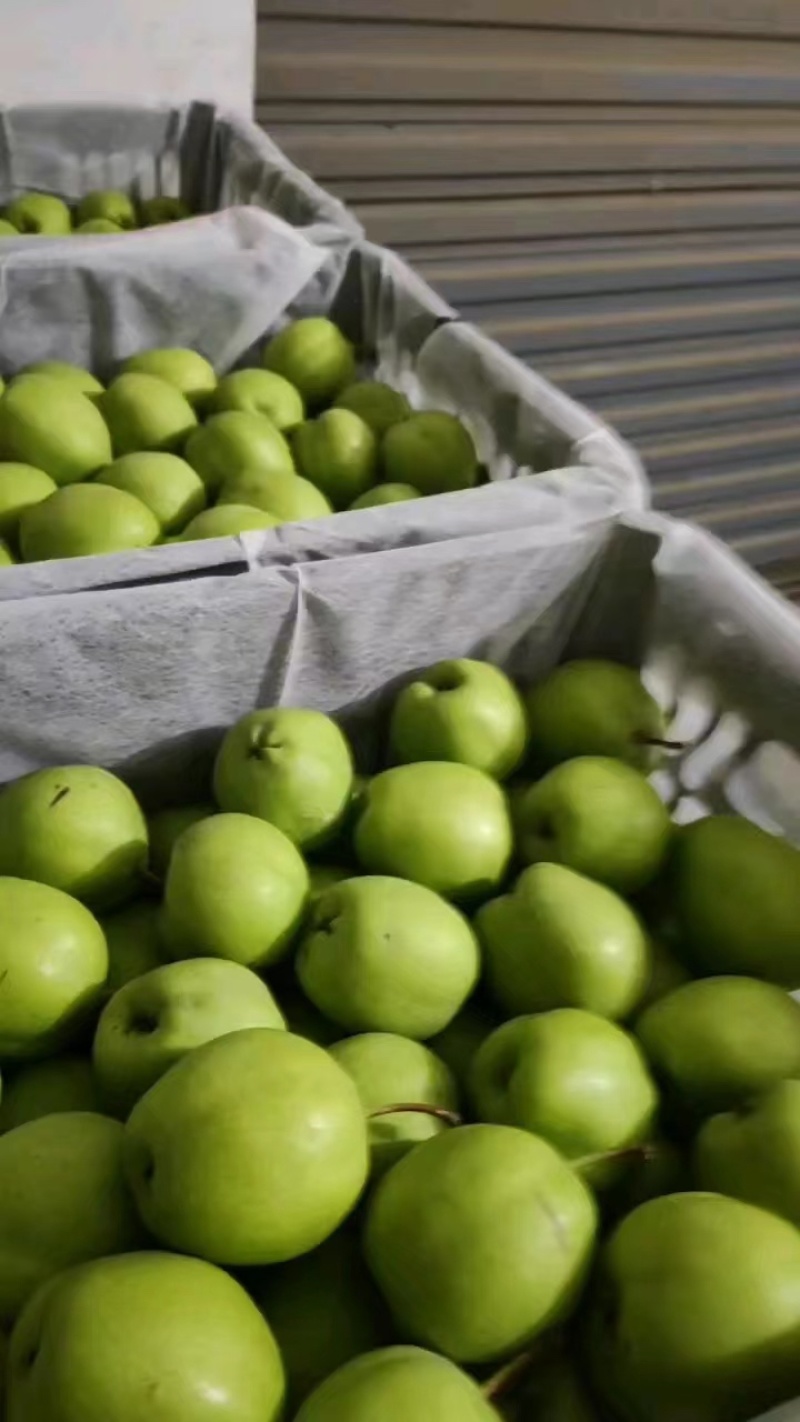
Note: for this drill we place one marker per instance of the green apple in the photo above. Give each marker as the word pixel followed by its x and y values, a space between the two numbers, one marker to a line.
pixel 63 1200
pixel 35 1089
pixel 155 211
pixel 753 1153
pixel 389 1070
pixel 84 520
pixel 394 1384
pixel 386 494
pixel 146 412
pixel 479 1240
pixel 76 827
pixel 461 710
pixel 237 442
pixel 324 876
pixel 46 422
pixel 323 1310
pixel 165 828
pixel 314 356
pixel 145 1335
pixel 290 766
pixel 75 376
pixel 287 497
pixel 339 453
pixel 7 229
pixel 187 370
pixel 165 484
pixel 98 227
pixel 260 392
pixel 458 1044
pixel 227 521
pixel 251 1150
pixel 593 707
pixel 134 945
pixel 7 559
pixel 718 1337
pixel 106 205
pixel 236 888
pixel 431 450
pixel 571 1077
pixel 598 816
pixel 442 825
pixel 377 404
pixel 21 486
pixel 53 964
pixel 736 892
pixel 153 1021
pixel 561 940
pixel 39 214
pixel 386 955
pixel 716 1042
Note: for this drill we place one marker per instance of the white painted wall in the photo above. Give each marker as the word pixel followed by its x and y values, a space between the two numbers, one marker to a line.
pixel 94 50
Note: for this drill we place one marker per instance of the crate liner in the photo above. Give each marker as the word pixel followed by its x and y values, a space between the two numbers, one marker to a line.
pixel 212 158
pixel 144 680
pixel 405 335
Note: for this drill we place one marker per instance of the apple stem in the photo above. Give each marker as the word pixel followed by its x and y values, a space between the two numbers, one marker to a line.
pixel 638 1154
pixel 451 1118
pixel 660 743
pixel 508 1378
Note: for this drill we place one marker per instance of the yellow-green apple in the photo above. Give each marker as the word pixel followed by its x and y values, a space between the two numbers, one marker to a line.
pixel 133 942
pixel 388 1071
pixel 561 940
pixel 236 888
pixel 396 1383
pixel 140 1335
pixel 443 825
pixel 46 422
pixel 227 521
pixel 753 1153
pixel 39 214
pixel 235 442
pixel 288 497
pixel 251 1150
pixel 431 450
pixel 719 1336
pixel 63 1200
pixel 597 816
pixel 76 827
pixel 314 356
pixel 145 412
pixel 261 392
pixel 593 707
pixel 21 486
pixel 165 828
pixel 53 965
pixel 84 520
pixel 187 370
pixel 338 452
pixel 386 494
pixel 571 1077
pixel 154 1020
pixel 290 766
pixel 377 403
pixel 73 375
pixel 155 211
pixel 107 204
pixel 461 710
pixel 98 227
pixel 165 484
pixel 385 955
pixel 479 1240
pixel 717 1042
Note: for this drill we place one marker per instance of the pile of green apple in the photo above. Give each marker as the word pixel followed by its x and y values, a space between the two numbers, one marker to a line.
pixel 168 452
pixel 104 211
pixel 468 1089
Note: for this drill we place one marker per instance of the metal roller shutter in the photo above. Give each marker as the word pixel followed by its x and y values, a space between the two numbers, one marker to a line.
pixel 611 190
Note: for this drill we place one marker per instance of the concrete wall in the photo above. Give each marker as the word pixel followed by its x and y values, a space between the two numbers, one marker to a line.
pixel 57 50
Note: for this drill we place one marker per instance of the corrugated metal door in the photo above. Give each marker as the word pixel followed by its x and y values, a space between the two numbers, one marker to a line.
pixel 610 187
